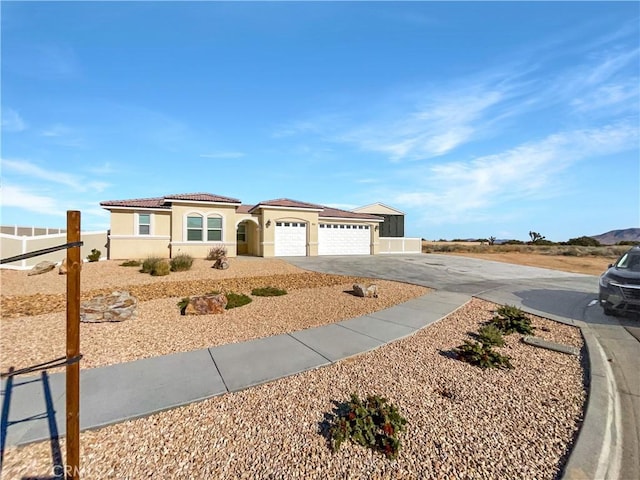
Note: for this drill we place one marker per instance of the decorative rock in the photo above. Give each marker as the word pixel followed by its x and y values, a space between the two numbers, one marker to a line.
pixel 206 304
pixel 116 307
pixel 62 270
pixel 369 291
pixel 221 263
pixel 42 267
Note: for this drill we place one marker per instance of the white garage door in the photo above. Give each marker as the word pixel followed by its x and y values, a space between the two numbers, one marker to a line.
pixel 340 239
pixel 291 239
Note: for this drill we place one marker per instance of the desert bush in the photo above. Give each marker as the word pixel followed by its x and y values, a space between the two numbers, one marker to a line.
pixel 216 253
pixel 374 423
pixel 94 256
pixel 235 300
pixel 149 264
pixel 268 292
pixel 584 241
pixel 571 252
pixel 481 355
pixel 510 319
pixel 490 335
pixel 161 269
pixel 130 263
pixel 181 262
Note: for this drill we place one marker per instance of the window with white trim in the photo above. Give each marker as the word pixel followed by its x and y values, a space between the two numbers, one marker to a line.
pixel 194 228
pixel 214 229
pixel 199 230
pixel 144 224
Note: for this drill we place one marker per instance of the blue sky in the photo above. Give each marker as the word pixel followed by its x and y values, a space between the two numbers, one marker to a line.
pixel 475 119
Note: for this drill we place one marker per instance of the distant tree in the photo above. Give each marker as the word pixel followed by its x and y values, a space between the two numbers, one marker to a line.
pixel 628 242
pixel 584 241
pixel 492 240
pixel 535 237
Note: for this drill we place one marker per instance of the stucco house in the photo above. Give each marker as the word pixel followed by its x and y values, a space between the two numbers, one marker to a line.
pixel 193 223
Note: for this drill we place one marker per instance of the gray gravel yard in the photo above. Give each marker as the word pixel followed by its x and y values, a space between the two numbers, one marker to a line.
pixel 463 422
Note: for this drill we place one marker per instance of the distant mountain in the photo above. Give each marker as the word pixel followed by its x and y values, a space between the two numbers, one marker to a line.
pixel 615 236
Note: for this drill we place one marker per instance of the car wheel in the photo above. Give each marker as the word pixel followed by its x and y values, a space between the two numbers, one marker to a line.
pixel 609 311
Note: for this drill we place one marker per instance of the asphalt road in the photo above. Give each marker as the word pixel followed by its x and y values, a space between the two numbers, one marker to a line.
pixel 562 296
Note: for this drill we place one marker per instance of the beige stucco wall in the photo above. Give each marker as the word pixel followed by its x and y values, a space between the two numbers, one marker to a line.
pixel 125 243
pixel 400 245
pixel 179 242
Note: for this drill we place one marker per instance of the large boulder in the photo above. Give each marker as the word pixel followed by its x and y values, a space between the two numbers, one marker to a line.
pixel 116 307
pixel 365 291
pixel 206 304
pixel 42 267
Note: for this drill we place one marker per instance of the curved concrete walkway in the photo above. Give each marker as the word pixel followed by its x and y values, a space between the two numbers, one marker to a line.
pixel 33 407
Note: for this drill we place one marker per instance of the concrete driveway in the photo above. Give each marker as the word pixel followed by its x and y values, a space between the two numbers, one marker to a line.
pixel 610 445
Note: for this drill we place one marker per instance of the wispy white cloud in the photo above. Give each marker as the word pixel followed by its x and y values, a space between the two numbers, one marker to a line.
pixel 33 171
pixel 222 155
pixel 465 191
pixel 12 121
pixel 19 197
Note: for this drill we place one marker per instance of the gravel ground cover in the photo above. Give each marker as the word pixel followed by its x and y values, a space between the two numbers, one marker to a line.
pixel 313 299
pixel 463 422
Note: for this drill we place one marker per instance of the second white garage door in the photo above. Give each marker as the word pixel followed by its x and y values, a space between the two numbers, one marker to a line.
pixel 291 239
pixel 340 239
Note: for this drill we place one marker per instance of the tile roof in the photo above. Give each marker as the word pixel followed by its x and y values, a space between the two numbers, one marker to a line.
pixel 202 197
pixel 244 208
pixel 165 202
pixel 287 202
pixel 137 202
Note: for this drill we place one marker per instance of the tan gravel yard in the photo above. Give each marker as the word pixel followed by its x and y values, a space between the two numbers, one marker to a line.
pixel 463 422
pixel 313 299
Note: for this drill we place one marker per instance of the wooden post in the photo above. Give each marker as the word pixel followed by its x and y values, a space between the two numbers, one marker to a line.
pixel 74 264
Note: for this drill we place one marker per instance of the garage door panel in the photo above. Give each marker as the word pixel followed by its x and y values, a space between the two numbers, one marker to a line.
pixel 290 239
pixel 342 239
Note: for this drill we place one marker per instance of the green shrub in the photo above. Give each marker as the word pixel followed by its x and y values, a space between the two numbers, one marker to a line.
pixel 374 423
pixel 94 256
pixel 511 319
pixel 237 300
pixel 130 263
pixel 572 252
pixel 161 269
pixel 181 262
pixel 268 292
pixel 149 264
pixel 482 355
pixel 490 335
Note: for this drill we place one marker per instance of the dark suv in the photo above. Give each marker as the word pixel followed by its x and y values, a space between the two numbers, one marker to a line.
pixel 620 284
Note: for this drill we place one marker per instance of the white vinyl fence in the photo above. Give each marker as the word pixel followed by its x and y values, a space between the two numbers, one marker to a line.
pixel 400 245
pixel 30 239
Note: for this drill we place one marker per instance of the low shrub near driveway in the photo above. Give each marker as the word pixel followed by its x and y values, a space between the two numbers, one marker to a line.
pixel 268 292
